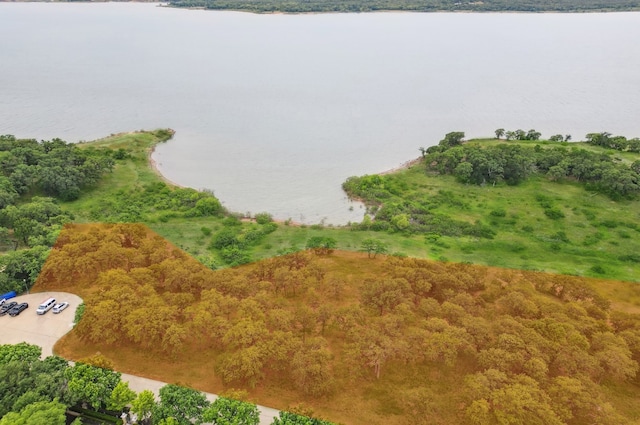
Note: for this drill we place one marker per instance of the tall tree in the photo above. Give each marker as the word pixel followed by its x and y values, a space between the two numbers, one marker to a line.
pixel 226 411
pixel 183 404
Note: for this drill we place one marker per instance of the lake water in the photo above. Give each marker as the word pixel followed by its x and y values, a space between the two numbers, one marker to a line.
pixel 274 112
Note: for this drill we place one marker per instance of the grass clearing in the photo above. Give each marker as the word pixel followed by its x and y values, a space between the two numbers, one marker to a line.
pixel 593 235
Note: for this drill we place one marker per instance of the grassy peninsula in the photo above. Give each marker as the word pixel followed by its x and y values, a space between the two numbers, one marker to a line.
pixel 542 223
pixel 509 225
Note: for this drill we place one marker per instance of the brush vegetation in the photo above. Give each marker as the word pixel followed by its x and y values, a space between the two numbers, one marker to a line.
pixel 547 222
pixel 526 204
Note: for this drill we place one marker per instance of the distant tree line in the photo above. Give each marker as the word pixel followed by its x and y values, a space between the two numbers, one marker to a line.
pixel 307 6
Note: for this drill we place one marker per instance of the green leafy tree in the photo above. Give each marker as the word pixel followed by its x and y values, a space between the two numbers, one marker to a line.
pixel 121 396
pixel 185 405
pixel 143 405
pixel 27 379
pixel 209 206
pixel 452 139
pixel 90 384
pixel 21 352
pixel 557 138
pixel 288 418
pixel 226 411
pixel 533 135
pixel 499 133
pixel 322 245
pixel 373 247
pixel 39 413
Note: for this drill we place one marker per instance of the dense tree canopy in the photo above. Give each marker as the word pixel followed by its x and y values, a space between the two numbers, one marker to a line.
pixel 57 168
pixel 492 164
pixel 518 338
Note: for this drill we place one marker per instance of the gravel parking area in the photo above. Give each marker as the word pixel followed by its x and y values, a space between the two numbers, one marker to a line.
pixel 43 330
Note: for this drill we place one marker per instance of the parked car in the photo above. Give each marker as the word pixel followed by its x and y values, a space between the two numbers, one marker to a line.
pixel 18 309
pixel 6 307
pixel 59 307
pixel 46 305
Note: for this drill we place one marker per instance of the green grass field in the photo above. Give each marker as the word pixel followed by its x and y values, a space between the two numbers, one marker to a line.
pixel 597 237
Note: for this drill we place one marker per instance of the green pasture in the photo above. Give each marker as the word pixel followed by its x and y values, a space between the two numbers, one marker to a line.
pixel 596 237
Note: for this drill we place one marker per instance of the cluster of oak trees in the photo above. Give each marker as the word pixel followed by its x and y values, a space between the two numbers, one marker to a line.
pixel 52 168
pixel 60 171
pixel 395 209
pixel 57 168
pixel 619 143
pixel 535 347
pixel 492 164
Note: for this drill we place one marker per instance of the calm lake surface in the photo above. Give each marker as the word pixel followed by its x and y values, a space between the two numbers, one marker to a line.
pixel 274 112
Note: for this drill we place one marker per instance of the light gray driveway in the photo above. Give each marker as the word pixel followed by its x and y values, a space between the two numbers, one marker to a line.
pixel 44 330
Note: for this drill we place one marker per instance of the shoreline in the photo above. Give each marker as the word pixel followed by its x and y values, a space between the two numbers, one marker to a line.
pixel 404 166
pixel 153 164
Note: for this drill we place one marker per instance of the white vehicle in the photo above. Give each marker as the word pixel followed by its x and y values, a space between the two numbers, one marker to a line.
pixel 59 307
pixel 46 306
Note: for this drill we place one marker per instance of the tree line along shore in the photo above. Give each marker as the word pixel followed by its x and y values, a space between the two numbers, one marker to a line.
pixel 359 6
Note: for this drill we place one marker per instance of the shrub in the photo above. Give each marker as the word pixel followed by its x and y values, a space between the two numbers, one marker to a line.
pixel 592 239
pixel 231 221
pixel 224 238
pixel 321 245
pixel 263 218
pixel 235 256
pixel 553 213
pixel 79 313
pixel 610 224
pixel 269 228
pixel 632 258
